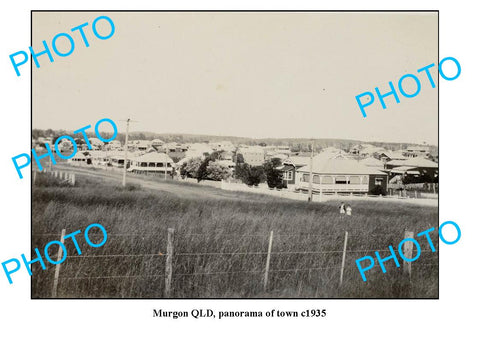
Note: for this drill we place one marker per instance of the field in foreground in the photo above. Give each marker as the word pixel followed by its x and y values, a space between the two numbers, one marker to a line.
pixel 220 245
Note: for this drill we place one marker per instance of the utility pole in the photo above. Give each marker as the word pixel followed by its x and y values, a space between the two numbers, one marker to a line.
pixel 165 164
pixel 124 182
pixel 310 191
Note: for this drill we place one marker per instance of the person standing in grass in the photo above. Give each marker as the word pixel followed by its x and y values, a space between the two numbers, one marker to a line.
pixel 348 209
pixel 342 208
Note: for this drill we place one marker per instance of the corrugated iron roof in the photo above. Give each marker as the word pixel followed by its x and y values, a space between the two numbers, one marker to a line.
pixel 371 161
pixel 154 157
pixel 417 162
pixel 339 165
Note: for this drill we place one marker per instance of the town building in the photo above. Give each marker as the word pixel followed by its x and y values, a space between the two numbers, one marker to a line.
pixel 415 166
pixel 289 168
pixel 253 155
pixel 417 151
pixel 339 174
pixel 152 163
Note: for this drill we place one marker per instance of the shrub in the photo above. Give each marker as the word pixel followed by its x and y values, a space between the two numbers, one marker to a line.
pixel 190 167
pixel 378 190
pixel 274 176
pixel 217 172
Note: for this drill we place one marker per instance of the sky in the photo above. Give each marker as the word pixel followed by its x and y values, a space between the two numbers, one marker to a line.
pixel 260 75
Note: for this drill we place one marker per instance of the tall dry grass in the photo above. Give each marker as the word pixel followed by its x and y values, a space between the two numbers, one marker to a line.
pixel 137 220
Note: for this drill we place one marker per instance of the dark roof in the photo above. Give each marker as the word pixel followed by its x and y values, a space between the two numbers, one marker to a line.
pixel 286 167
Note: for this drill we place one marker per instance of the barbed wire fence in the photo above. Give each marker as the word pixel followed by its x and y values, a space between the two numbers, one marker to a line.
pixel 170 259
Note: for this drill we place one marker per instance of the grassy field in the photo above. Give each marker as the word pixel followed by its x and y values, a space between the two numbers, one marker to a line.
pixel 221 244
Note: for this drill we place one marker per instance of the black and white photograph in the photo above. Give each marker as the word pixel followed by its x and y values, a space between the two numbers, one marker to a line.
pixel 235 154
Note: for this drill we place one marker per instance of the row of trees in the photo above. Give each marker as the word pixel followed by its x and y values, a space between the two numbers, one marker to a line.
pixel 254 175
pixel 205 168
pixel 209 169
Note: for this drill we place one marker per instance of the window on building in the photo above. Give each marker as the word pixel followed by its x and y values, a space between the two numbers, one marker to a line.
pixel 378 180
pixel 120 161
pixel 354 180
pixel 306 177
pixel 316 179
pixel 341 180
pixel 289 175
pixel 327 180
pixel 151 165
pixel 143 164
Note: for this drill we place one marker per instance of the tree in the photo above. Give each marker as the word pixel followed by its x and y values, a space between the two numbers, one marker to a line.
pixel 256 175
pixel 250 175
pixel 274 176
pixel 276 162
pixel 218 172
pixel 241 171
pixel 190 167
pixel 238 158
pixel 79 141
pixel 202 172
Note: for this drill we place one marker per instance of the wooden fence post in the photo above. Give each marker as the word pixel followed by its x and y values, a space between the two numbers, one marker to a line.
pixel 407 252
pixel 72 179
pixel 343 257
pixel 267 266
pixel 168 263
pixel 57 267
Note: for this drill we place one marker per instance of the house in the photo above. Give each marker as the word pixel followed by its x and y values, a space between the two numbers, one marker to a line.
pixel 417 151
pixel 355 150
pixel 152 163
pixel 141 145
pixel 340 174
pixel 416 166
pixel 253 155
pixel 80 159
pixel 114 145
pixel 99 158
pixel 371 151
pixel 117 160
pixel 157 143
pixel 175 151
pixel 289 168
pixel 388 156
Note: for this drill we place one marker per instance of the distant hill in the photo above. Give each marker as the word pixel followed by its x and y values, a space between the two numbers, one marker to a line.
pixel 296 144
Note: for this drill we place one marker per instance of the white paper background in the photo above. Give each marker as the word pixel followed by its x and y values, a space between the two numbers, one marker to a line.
pixel 454 315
